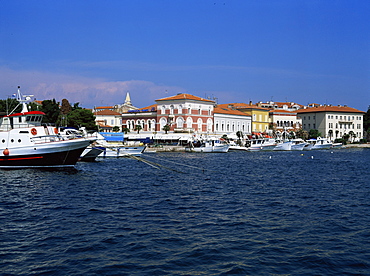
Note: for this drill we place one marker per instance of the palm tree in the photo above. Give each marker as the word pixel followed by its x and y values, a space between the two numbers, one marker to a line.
pixel 240 136
pixel 125 130
pixel 166 128
pixel 351 135
pixel 330 132
pixel 138 128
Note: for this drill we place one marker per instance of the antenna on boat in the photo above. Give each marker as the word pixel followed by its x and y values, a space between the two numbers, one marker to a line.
pixel 22 100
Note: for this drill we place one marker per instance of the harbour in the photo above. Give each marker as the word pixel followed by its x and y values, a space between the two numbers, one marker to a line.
pixel 257 213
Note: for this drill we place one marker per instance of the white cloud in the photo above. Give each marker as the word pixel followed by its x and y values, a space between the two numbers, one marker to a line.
pixel 88 92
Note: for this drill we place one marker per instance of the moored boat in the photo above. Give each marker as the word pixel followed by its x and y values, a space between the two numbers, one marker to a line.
pixel 298 144
pixel 207 146
pixel 268 144
pixel 255 144
pixel 113 144
pixel 26 143
pixel 320 143
pixel 286 145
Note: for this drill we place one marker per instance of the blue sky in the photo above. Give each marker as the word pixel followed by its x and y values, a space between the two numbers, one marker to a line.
pixel 94 51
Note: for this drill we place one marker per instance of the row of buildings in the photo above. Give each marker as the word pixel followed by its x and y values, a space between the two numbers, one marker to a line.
pixel 188 114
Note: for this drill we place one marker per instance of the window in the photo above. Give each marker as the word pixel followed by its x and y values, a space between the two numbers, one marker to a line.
pixel 200 123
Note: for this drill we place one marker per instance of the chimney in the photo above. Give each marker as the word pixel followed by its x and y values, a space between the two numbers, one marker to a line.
pixel 250 103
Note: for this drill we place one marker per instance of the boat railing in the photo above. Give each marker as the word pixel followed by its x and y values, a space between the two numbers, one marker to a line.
pixel 46 139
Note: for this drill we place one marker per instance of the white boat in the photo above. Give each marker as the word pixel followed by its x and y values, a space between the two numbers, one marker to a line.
pixel 114 146
pixel 337 145
pixel 320 143
pixel 236 147
pixel 207 146
pixel 298 144
pixel 254 144
pixel 26 143
pixel 287 145
pixel 91 153
pixel 268 144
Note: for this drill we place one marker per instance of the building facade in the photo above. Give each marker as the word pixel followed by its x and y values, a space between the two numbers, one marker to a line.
pixel 229 121
pixel 185 113
pixel 107 119
pixel 284 120
pixel 182 113
pixel 259 115
pixel 333 121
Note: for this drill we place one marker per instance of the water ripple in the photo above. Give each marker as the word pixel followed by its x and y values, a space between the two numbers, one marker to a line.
pixel 225 214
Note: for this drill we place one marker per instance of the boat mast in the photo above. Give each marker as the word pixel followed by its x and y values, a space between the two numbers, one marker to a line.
pixel 22 100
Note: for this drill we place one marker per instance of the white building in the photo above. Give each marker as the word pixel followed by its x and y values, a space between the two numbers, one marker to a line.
pixel 284 120
pixel 333 121
pixel 228 120
pixel 107 119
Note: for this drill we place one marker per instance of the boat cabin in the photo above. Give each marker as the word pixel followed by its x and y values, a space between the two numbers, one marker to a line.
pixel 21 120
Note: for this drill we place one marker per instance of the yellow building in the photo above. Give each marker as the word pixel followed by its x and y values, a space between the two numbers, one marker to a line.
pixel 259 115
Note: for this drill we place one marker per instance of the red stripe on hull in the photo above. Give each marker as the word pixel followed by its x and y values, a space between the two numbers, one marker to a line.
pixel 61 159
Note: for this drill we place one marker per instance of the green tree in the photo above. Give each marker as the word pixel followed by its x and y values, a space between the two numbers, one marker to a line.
pixel 115 129
pixel 166 128
pixel 138 128
pixel 82 118
pixel 346 137
pixel 66 107
pixel 32 106
pixel 330 133
pixel 352 136
pixel 126 130
pixel 314 133
pixel 52 111
pixel 367 120
pixel 240 135
pixel 9 105
pixel 76 106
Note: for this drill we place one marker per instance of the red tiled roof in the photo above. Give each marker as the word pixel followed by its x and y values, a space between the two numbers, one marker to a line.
pixel 282 111
pixel 224 109
pixel 150 107
pixel 184 96
pixel 106 112
pixel 246 106
pixel 327 108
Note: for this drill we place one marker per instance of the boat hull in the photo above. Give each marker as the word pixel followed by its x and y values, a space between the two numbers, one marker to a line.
pixel 122 151
pixel 220 149
pixel 284 146
pixel 58 154
pixel 90 153
pixel 298 146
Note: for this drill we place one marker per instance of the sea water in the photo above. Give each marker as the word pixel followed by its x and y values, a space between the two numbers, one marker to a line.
pixel 239 213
